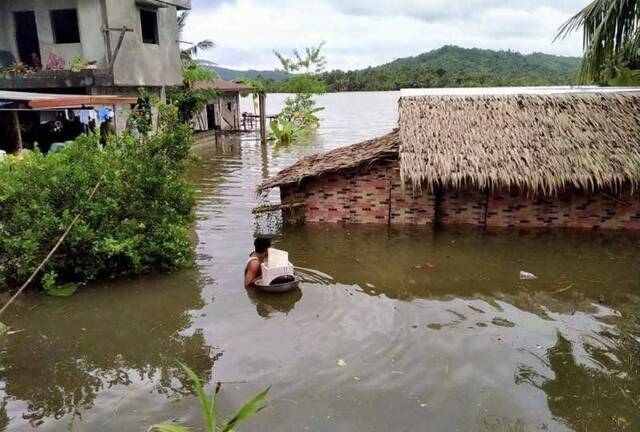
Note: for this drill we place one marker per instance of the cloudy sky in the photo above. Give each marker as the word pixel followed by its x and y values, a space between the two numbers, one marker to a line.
pixel 359 33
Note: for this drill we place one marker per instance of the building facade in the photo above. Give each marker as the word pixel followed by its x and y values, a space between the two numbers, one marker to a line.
pixel 120 44
pixel 91 47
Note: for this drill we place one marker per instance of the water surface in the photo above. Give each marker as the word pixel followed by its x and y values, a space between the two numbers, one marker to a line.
pixel 435 329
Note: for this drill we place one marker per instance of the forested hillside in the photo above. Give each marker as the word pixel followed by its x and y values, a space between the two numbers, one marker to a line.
pixel 452 66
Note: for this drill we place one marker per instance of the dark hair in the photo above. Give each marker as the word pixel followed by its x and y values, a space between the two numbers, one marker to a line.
pixel 261 244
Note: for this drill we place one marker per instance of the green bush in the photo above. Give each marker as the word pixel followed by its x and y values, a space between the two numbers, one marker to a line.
pixel 137 222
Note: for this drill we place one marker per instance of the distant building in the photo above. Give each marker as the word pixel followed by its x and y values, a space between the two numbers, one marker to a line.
pixel 222 113
pixel 118 45
pixel 545 157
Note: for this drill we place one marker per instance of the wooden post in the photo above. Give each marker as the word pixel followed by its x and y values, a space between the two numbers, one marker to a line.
pixel 263 118
pixel 10 134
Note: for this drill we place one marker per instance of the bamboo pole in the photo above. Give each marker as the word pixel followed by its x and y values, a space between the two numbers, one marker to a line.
pixel 275 207
pixel 53 251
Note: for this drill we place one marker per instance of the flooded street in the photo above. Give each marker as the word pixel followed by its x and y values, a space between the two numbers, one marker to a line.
pixel 434 328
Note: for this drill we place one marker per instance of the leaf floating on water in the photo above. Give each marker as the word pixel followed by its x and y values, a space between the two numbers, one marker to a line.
pixel 65 290
pixel 342 363
pixel 431 265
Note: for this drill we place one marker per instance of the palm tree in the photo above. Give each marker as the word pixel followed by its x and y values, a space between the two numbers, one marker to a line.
pixel 187 54
pixel 611 31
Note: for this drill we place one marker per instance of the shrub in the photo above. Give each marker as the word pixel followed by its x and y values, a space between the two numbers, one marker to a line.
pixel 137 222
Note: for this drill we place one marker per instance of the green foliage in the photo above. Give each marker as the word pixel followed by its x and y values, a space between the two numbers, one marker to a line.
pixel 77 64
pixel 611 30
pixel 208 406
pixel 298 116
pixel 452 66
pixel 282 130
pixel 190 101
pixel 137 222
pixel 51 288
pixel 196 73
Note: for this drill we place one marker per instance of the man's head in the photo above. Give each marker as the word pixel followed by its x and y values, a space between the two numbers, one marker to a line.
pixel 261 245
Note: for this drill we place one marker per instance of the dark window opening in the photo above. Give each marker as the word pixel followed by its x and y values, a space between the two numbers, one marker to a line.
pixel 64 23
pixel 149 26
pixel 27 39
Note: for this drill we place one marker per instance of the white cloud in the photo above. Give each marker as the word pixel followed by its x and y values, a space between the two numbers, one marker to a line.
pixel 360 33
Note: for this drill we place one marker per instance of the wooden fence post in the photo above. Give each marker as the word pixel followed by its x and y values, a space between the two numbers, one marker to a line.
pixel 263 118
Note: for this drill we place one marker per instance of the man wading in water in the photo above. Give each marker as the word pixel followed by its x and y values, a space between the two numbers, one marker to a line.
pixel 252 270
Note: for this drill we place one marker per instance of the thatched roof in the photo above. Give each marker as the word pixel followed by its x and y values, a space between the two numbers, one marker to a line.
pixel 363 153
pixel 536 142
pixel 539 140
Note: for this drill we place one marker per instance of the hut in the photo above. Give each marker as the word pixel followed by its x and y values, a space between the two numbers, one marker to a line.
pixel 541 157
pixel 223 112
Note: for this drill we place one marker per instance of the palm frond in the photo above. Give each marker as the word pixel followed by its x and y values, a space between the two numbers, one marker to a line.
pixel 610 27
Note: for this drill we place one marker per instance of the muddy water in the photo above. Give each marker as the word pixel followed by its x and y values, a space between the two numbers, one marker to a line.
pixel 436 331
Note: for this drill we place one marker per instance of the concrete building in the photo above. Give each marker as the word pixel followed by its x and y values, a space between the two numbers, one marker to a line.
pixel 525 158
pixel 121 44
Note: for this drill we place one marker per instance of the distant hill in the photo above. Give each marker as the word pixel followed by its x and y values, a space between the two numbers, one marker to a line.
pixel 453 66
pixel 232 74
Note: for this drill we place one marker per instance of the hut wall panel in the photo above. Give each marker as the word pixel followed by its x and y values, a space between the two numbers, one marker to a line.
pixel 369 194
pixel 373 194
pixel 407 206
pixel 464 207
pixel 328 200
pixel 514 209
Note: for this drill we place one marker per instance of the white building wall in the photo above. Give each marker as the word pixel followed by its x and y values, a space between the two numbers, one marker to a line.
pixel 43 22
pixel 137 63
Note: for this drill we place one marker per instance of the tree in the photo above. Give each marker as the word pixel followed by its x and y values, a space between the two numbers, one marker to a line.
pixel 187 54
pixel 299 113
pixel 611 33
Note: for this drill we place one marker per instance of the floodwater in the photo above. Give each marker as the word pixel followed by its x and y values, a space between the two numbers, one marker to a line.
pixel 434 330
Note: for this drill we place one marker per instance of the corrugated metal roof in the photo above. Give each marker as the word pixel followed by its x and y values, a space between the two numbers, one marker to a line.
pixel 220 84
pixel 42 101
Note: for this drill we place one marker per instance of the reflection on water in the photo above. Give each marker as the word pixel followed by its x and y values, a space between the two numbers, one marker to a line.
pixel 268 304
pixel 435 329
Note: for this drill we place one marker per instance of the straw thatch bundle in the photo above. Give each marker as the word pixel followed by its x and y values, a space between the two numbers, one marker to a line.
pixel 540 143
pixel 366 152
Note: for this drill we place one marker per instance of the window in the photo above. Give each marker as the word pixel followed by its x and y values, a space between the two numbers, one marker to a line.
pixel 149 26
pixel 64 23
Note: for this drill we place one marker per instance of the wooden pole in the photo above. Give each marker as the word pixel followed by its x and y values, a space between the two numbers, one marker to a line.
pixel 17 133
pixel 263 118
pixel 10 134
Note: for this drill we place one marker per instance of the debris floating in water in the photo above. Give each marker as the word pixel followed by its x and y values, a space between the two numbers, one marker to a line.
pixel 3 328
pixel 342 363
pixel 527 276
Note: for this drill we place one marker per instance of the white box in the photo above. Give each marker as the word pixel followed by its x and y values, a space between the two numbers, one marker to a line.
pixel 270 273
pixel 277 265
